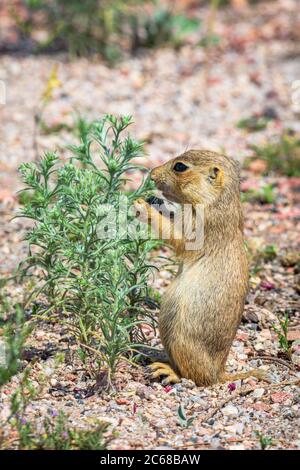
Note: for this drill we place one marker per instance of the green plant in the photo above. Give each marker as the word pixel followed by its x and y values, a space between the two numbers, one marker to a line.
pixel 282 333
pixel 211 39
pixel 101 26
pixel 79 27
pixel 269 253
pixel 264 441
pixel 58 435
pixel 264 195
pixel 253 123
pixel 14 332
pixel 160 28
pixel 184 422
pixel 282 156
pixel 257 257
pixel 87 250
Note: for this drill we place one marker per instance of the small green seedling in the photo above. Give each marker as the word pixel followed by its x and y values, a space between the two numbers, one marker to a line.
pixel 184 422
pixel 264 441
pixel 282 333
pixel 269 253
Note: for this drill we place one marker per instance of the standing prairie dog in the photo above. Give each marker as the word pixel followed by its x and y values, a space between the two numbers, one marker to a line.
pixel 202 308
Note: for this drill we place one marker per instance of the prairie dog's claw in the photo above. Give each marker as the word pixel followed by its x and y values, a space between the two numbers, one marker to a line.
pixel 158 369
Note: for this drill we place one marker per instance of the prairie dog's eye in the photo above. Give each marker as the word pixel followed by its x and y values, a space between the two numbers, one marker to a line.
pixel 179 167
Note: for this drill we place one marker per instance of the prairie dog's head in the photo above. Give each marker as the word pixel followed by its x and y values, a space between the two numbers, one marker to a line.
pixel 197 177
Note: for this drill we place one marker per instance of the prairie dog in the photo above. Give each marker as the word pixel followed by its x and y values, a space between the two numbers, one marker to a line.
pixel 202 308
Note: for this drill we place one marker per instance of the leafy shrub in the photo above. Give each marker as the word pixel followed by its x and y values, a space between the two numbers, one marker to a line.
pixel 80 27
pixel 101 26
pixel 93 270
pixel 253 123
pixel 264 195
pixel 283 156
pixel 162 27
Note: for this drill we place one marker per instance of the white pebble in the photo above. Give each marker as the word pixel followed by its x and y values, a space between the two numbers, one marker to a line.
pixel 237 428
pixel 230 410
pixel 258 393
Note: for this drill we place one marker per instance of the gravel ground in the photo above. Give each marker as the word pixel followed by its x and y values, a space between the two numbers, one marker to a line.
pixel 178 101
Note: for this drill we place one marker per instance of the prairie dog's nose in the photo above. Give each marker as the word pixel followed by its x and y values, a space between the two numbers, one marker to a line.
pixel 154 174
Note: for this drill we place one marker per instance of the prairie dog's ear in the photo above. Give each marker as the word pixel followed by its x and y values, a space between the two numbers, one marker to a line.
pixel 215 175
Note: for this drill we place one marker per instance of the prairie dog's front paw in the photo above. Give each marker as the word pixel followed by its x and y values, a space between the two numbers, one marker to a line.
pixel 142 209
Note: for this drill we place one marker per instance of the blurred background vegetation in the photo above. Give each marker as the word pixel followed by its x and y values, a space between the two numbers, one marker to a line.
pixel 107 27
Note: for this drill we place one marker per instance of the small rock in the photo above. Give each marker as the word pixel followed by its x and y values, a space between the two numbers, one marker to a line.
pixel 265 333
pixel 143 392
pixel 288 414
pixel 40 335
pixel 113 406
pixel 296 345
pixel 178 388
pixel 161 423
pixel 290 259
pixel 293 335
pixel 280 397
pixel 215 443
pixel 251 316
pixel 258 393
pixel 259 406
pixel 237 428
pixel 199 401
pixel 230 410
pixel 243 357
pixel 70 377
pixel 48 371
pixel 122 401
pixel 296 358
pixel 270 113
pixel 188 383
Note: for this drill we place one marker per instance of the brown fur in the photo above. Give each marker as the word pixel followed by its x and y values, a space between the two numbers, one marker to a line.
pixel 202 308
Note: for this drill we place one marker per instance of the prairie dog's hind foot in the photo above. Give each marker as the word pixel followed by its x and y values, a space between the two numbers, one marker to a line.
pixel 158 369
